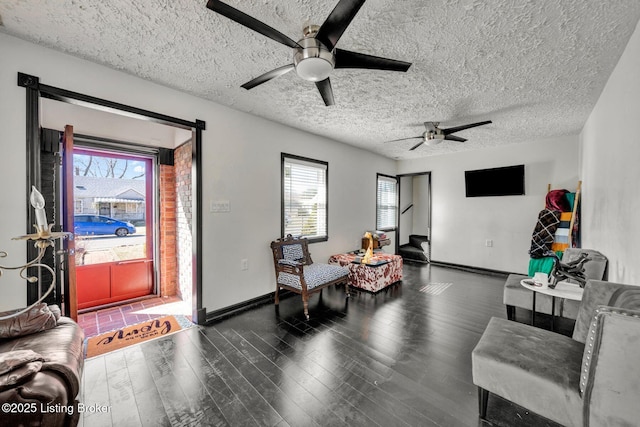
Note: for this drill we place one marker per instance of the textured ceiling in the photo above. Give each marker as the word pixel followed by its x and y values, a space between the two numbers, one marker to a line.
pixel 535 68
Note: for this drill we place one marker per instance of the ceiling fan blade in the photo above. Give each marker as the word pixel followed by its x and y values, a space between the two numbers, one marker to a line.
pixel 348 59
pixel 416 146
pixel 403 139
pixel 250 22
pixel 463 127
pixel 454 138
pixel 268 76
pixel 338 21
pixel 324 86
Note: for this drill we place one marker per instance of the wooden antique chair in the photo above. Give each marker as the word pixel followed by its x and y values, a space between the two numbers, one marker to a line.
pixel 296 272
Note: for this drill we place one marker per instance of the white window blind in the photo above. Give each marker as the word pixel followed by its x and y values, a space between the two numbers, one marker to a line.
pixel 304 184
pixel 386 203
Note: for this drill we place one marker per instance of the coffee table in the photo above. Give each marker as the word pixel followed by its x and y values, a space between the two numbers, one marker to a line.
pixel 384 271
pixel 562 289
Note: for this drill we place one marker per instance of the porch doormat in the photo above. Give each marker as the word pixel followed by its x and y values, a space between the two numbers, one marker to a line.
pixel 134 334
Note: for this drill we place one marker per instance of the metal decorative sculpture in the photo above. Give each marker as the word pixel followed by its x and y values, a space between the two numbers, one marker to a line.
pixel 572 270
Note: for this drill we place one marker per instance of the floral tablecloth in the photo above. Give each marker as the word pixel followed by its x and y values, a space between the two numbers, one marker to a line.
pixel 371 278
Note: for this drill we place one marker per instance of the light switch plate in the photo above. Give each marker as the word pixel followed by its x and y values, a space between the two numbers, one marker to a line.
pixel 219 206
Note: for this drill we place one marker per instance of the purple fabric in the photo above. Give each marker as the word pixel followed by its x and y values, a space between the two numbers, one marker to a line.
pixel 556 201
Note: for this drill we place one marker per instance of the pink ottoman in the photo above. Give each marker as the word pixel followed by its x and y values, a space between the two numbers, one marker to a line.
pixel 371 277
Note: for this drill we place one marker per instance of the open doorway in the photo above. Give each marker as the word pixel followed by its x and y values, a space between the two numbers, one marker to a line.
pixel 414 228
pixel 126 211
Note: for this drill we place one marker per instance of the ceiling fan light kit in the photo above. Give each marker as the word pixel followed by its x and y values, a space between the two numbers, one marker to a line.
pixel 312 60
pixel 315 56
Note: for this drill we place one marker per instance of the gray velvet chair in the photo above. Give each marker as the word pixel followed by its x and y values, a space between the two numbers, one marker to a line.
pixel 562 378
pixel 515 295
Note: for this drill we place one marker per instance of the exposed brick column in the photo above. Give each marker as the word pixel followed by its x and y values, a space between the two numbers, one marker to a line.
pixel 184 204
pixel 168 245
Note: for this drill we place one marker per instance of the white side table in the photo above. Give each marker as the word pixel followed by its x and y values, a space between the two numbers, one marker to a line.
pixel 563 290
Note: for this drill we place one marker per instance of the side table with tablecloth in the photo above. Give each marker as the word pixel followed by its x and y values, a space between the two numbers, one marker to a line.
pixel 386 271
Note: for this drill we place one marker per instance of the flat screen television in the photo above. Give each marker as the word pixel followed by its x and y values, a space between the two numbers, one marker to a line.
pixel 505 181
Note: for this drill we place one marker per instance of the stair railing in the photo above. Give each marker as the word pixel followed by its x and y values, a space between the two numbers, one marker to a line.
pixel 406 209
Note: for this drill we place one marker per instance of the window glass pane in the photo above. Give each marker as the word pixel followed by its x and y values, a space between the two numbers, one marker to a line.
pixel 386 203
pixel 305 198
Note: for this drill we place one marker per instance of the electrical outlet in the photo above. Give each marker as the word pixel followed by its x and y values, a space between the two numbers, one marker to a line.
pixel 244 264
pixel 488 243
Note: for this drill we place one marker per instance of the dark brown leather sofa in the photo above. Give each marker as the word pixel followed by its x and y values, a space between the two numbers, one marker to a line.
pixel 40 374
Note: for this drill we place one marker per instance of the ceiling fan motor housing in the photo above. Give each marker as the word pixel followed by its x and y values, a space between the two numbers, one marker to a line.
pixel 313 61
pixel 432 138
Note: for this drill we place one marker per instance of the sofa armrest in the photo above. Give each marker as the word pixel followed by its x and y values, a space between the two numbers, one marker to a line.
pixel 62 349
pixel 610 368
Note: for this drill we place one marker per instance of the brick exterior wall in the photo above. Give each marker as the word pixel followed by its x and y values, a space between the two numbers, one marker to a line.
pixel 184 204
pixel 168 225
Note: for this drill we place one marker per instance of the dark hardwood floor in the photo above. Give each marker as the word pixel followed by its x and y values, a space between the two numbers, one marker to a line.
pixel 401 357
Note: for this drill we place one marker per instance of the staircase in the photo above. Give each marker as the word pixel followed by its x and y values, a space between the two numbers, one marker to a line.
pixel 414 249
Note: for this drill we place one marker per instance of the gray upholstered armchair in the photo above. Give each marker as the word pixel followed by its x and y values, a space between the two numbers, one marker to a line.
pixel 296 271
pixel 591 379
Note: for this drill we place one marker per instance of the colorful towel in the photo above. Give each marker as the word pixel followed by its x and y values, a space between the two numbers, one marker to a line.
pixel 557 201
pixel 561 236
pixel 544 232
pixel 541 265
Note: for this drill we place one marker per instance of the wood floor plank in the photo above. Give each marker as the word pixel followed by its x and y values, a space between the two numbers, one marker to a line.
pixel 180 390
pixel 121 394
pixel 230 404
pixel 243 389
pixel 148 401
pixel 281 366
pixel 286 407
pixel 96 392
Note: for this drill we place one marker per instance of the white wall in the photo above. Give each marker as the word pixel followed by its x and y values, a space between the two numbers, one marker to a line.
pixel 421 205
pixel 241 164
pixel 460 226
pixel 610 169
pixel 406 199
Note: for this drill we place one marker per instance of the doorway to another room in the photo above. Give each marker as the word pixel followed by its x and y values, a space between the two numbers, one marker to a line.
pixel 414 229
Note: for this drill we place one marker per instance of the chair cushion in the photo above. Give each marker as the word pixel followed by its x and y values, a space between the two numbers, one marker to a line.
pixel 292 252
pixel 315 275
pixel 532 367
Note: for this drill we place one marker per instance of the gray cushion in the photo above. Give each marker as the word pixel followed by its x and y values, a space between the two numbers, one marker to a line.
pixel 532 367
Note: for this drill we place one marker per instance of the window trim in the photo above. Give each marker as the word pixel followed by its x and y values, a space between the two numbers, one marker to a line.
pixel 283 159
pixel 390 177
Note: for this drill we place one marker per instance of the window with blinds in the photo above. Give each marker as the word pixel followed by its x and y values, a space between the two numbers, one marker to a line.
pixel 386 203
pixel 304 197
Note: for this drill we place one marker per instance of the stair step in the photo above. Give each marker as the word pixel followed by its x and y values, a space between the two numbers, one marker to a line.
pixel 417 240
pixel 411 252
